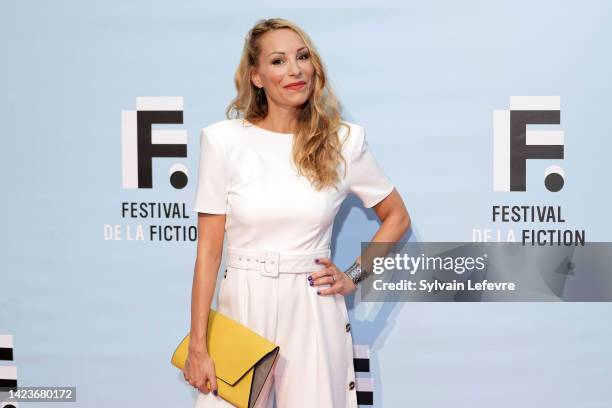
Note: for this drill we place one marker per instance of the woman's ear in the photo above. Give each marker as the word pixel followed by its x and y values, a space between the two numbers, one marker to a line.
pixel 255 79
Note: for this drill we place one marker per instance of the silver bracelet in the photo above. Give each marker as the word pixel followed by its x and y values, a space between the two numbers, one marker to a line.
pixel 356 273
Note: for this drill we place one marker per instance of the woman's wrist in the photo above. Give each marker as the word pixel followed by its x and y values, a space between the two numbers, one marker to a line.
pixel 197 344
pixel 356 272
pixel 198 351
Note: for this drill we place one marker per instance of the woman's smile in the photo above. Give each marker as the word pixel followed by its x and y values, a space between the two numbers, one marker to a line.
pixel 296 86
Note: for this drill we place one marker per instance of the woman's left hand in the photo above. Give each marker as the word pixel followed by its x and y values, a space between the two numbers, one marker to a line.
pixel 340 282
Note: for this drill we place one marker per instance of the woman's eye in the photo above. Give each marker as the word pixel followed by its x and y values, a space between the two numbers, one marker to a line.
pixel 302 57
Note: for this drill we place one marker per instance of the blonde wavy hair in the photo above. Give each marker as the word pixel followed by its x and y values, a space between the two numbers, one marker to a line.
pixel 316 148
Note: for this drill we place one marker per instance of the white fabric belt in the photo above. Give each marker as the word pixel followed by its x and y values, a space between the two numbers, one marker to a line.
pixel 271 263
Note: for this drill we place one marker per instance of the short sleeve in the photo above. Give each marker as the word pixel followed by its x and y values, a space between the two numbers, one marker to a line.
pixel 211 192
pixel 366 179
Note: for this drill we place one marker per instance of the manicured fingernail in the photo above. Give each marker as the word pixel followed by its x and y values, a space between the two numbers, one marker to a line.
pixel 311 283
pixel 215 392
pixel 318 293
pixel 317 260
pixel 309 277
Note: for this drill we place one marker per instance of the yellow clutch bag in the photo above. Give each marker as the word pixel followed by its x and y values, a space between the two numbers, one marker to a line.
pixel 243 359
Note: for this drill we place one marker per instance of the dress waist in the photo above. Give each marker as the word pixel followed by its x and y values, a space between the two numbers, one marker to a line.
pixel 271 262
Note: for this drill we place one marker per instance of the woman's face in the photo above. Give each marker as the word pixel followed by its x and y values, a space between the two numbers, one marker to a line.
pixel 284 59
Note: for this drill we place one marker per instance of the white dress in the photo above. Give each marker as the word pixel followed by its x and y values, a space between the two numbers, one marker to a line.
pixel 246 172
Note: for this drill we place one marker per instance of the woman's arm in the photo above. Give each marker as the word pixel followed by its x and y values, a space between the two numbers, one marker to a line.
pixel 199 368
pixel 395 222
pixel 394 216
pixel 211 230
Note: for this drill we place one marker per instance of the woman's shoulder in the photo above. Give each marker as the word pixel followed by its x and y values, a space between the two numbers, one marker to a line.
pixel 352 137
pixel 224 126
pixel 222 131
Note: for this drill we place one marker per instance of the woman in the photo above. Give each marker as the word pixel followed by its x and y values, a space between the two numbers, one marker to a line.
pixel 273 179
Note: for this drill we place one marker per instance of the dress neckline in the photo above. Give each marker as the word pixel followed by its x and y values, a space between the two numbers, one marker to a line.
pixel 286 135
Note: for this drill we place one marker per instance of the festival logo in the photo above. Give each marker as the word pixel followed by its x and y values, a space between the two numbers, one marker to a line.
pixel 514 143
pixel 140 143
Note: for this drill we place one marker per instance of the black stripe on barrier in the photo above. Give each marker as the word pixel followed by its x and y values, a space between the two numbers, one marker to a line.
pixel 6 353
pixel 362 365
pixel 365 398
pixel 8 383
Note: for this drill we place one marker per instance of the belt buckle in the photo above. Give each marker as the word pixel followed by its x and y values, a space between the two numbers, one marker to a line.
pixel 269 264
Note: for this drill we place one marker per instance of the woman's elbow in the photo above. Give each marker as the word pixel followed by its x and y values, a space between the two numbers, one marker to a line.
pixel 400 219
pixel 405 222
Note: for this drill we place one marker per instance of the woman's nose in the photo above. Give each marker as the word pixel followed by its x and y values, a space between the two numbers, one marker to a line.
pixel 294 68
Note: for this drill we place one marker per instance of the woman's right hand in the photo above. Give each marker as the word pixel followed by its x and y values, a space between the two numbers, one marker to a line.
pixel 199 371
